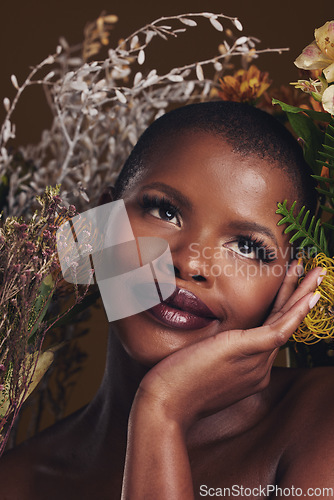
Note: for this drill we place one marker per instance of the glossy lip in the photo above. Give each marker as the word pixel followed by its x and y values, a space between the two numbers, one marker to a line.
pixel 184 311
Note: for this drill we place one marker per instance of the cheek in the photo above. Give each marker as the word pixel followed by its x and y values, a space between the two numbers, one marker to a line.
pixel 253 295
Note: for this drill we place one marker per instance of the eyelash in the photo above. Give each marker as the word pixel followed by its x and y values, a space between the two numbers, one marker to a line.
pixel 257 245
pixel 263 252
pixel 150 202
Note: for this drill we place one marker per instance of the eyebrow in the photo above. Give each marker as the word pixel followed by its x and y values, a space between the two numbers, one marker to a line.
pixel 173 193
pixel 254 226
pixel 183 200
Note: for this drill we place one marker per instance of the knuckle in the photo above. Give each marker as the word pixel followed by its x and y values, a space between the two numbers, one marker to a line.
pixel 279 336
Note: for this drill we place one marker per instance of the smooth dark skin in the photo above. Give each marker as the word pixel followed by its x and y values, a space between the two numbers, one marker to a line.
pixel 201 406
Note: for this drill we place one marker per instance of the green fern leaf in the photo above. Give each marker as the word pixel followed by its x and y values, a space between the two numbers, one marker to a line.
pixel 326 155
pixel 311 233
pixel 328 225
pixel 327 209
pixel 323 179
pixel 324 164
pixel 325 192
pixel 329 149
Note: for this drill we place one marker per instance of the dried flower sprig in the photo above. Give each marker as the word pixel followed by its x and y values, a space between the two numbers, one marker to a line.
pixel 101 108
pixel 29 275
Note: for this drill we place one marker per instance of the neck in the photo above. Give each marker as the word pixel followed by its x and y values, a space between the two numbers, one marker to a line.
pixel 112 404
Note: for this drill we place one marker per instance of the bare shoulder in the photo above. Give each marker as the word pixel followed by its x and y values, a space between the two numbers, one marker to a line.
pixel 307 426
pixel 23 468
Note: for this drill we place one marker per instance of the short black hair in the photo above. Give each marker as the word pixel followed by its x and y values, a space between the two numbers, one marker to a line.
pixel 249 130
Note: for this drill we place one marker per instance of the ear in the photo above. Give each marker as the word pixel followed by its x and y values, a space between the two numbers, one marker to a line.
pixel 107 195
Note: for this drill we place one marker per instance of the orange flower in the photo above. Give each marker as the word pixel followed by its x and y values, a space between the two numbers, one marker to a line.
pixel 325 174
pixel 244 86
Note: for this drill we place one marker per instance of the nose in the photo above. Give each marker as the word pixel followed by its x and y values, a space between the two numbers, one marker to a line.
pixel 193 260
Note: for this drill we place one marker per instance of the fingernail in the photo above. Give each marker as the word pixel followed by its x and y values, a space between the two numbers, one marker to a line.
pixel 314 299
pixel 321 276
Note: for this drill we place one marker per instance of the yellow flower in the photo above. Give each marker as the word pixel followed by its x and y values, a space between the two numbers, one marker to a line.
pixel 244 86
pixel 320 53
pixel 319 323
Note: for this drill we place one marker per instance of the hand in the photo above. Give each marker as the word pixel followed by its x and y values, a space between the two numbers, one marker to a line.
pixel 225 368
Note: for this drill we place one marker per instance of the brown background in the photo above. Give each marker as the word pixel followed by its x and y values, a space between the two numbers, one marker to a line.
pixel 30 31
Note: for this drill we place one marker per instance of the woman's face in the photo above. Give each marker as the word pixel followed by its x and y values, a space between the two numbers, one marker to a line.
pixel 216 209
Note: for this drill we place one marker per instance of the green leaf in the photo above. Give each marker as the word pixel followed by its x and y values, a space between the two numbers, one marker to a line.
pixel 312 234
pixel 305 128
pixel 41 304
pixel 323 191
pixel 315 115
pixel 323 179
pixel 323 163
pixel 329 226
pixel 327 209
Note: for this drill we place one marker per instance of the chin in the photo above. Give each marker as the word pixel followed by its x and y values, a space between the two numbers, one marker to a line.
pixel 147 341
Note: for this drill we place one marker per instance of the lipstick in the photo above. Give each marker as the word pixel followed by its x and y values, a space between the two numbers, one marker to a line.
pixel 184 311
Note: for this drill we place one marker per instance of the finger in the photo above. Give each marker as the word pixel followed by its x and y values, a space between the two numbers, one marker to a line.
pixel 270 336
pixel 288 286
pixel 309 284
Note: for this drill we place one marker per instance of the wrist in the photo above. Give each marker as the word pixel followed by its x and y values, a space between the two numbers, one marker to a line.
pixel 158 412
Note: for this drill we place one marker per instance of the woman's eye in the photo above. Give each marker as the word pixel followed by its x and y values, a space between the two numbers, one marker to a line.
pixel 161 208
pixel 167 214
pixel 247 248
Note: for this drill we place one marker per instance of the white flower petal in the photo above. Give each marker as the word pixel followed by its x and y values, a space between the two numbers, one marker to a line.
pixel 14 82
pixel 175 78
pixel 137 78
pixel 216 24
pixel 328 99
pixel 141 57
pixel 241 40
pixel 134 42
pixel 237 24
pixel 329 73
pixel 312 58
pixel 199 72
pixel 188 22
pixel 121 97
pixel 6 103
pixel 324 37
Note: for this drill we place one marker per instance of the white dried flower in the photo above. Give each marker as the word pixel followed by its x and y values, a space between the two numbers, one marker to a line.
pixel 237 24
pixel 216 24
pixel 188 22
pixel 14 82
pixel 101 108
pixel 141 57
pixel 6 103
pixel 199 72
